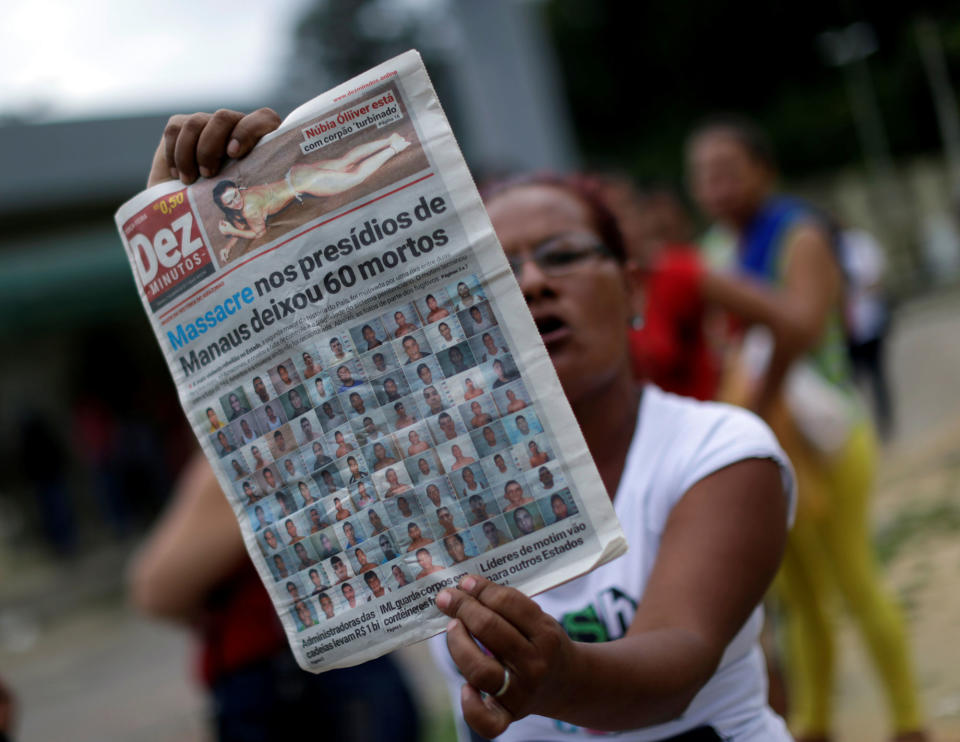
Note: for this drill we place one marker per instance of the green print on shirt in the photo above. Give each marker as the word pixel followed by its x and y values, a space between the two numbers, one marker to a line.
pixel 610 621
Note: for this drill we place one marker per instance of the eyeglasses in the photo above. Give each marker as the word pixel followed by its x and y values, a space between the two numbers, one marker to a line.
pixel 560 256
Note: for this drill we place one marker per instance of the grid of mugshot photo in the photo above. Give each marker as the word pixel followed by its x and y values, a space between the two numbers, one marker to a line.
pixel 387 452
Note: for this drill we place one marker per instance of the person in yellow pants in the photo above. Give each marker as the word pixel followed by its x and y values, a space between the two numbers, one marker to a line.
pixel 788 280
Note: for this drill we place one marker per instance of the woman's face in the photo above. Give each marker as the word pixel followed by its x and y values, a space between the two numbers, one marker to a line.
pixel 232 198
pixel 727 182
pixel 582 315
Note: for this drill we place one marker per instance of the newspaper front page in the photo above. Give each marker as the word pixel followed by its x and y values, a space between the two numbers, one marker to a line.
pixel 359 365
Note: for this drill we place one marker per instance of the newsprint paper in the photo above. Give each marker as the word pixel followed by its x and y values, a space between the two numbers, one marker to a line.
pixel 358 363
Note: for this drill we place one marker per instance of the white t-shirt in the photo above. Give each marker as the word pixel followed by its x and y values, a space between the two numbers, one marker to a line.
pixel 678 442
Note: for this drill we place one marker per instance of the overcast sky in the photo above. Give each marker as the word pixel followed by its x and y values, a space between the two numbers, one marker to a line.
pixel 83 58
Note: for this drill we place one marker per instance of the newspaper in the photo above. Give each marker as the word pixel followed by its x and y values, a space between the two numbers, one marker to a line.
pixel 359 365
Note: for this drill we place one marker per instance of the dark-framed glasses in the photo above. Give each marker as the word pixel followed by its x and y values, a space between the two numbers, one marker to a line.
pixel 559 256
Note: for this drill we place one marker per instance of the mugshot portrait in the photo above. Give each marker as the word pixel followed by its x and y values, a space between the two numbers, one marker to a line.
pixel 350 594
pixel 368 336
pixel 223 443
pixel 304 615
pixel 365 558
pixel 466 292
pixel 259 389
pixel 309 363
pixel 446 426
pixel 317 518
pixel 492 533
pixel 271 540
pixel 294 527
pixel 326 543
pixel 503 371
pixel 403 413
pixel 321 388
pixel 524 520
pixel 456 360
pixel 329 480
pixel 415 439
pixel 479 507
pixel 235 467
pixel 446 520
pixel 340 441
pixel 331 414
pixel 412 348
pixel 281 442
pixel 522 425
pixel 279 567
pixel 457 454
pixel 257 454
pixel 351 532
pixel 317 580
pixel 358 402
pixel 428 561
pixel 303 555
pixel 338 567
pixel 271 416
pixel 558 506
pixel 424 466
pixel 308 430
pixel 490 439
pixel 248 491
pixel 295 402
pixel 401 509
pixel 424 373
pixel 370 427
pixel 305 492
pixel 400 321
pixel 260 515
pixel 376 519
pixel 534 452
pixel 291 467
pixel 235 404
pixel 347 375
pixel 380 454
pixel 434 494
pixel 399 573
pixel 489 345
pixel 470 480
pixel 376 587
pixel 245 429
pixel 545 479
pixel 335 349
pixel 513 495
pixel 391 387
pixel 511 398
pixel 434 306
pixel 478 412
pixel 445 333
pixel 433 400
pixel 476 319
pixel 284 376
pixel 291 589
pixel 362 495
pixel 380 361
pixel 392 482
pixel 459 547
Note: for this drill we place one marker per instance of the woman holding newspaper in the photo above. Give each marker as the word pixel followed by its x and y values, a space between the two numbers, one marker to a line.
pixel 662 643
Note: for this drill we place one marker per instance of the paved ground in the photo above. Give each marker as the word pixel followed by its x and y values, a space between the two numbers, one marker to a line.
pixel 87 670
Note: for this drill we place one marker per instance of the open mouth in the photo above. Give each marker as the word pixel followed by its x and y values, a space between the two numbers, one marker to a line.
pixel 552 329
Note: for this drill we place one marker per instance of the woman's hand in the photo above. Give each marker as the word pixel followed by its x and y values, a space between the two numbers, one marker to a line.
pixel 523 640
pixel 196 144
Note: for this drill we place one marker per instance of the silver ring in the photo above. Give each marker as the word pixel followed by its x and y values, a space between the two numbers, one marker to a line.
pixel 504 685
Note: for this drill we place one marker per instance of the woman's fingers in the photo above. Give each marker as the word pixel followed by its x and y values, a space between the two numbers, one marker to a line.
pixel 487 717
pixel 492 628
pixel 479 669
pixel 196 144
pixel 250 129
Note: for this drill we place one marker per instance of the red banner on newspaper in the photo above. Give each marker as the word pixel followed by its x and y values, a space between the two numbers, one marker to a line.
pixel 167 249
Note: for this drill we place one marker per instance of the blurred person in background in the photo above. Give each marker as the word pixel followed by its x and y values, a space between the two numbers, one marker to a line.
pixel 669 338
pixel 796 373
pixel 868 318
